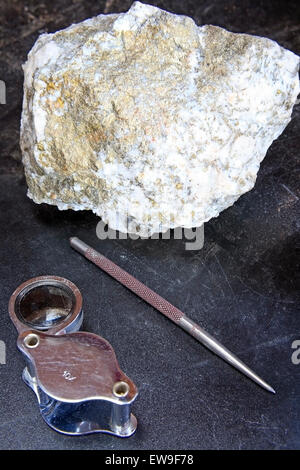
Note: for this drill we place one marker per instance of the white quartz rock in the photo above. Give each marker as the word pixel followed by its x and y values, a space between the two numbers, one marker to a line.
pixel 150 121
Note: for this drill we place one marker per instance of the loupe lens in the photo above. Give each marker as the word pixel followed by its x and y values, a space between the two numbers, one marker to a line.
pixel 44 306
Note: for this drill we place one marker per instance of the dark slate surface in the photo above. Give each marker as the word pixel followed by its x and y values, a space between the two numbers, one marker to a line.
pixel 243 286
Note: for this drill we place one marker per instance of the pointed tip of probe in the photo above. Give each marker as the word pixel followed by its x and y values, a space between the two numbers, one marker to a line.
pixel 267 387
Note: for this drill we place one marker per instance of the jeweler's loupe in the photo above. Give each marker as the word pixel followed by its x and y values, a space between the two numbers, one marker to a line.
pixel 75 375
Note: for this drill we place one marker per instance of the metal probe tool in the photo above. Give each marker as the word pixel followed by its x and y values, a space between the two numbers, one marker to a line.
pixel 165 308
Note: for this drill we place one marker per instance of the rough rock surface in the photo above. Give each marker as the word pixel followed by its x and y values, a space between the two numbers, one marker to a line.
pixel 149 120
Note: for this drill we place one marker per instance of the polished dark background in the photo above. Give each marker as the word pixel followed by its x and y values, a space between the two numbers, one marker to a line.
pixel 243 286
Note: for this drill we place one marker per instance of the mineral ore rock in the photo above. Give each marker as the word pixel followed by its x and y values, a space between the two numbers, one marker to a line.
pixel 150 121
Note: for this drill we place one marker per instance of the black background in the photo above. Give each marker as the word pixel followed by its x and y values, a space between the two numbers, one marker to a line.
pixel 243 286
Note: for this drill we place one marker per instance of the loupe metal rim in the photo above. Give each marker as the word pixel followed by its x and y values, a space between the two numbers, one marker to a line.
pixel 35 286
pixel 71 322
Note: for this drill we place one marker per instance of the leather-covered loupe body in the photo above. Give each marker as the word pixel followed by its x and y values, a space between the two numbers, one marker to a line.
pixel 75 375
